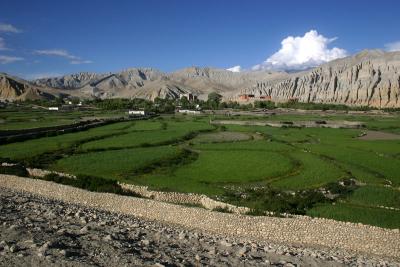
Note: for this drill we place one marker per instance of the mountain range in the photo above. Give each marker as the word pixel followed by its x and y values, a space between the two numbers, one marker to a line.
pixel 369 78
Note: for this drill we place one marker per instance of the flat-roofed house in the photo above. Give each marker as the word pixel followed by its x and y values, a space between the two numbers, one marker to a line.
pixel 137 113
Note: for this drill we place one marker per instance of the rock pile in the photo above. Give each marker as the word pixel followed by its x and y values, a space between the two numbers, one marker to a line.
pixel 42 232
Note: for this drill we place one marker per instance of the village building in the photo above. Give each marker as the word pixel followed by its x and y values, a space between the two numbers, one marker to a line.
pixel 265 97
pixel 246 97
pixel 189 111
pixel 137 113
pixel 189 96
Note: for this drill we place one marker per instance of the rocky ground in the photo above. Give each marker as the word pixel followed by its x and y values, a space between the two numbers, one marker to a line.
pixel 36 231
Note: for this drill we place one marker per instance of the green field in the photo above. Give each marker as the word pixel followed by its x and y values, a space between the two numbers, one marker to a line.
pixel 28 118
pixel 187 154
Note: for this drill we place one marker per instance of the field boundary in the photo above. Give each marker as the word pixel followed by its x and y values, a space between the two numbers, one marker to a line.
pixel 12 136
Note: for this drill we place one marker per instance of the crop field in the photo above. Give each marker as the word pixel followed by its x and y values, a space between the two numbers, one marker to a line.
pixel 15 119
pixel 321 172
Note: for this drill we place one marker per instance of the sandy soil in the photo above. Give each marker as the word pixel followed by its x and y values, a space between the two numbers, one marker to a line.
pixel 377 135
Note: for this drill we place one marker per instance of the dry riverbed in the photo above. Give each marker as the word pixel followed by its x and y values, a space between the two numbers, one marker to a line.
pixel 43 223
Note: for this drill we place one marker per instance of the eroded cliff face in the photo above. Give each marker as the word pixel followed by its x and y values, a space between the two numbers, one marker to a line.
pixel 370 78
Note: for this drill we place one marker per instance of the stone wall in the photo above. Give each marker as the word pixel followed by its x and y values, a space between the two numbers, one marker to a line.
pixel 172 197
pixel 305 124
pixel 182 198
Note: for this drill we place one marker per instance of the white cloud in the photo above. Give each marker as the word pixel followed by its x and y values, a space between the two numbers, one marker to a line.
pixel 235 69
pixel 7 59
pixel 62 53
pixel 55 52
pixel 395 46
pixel 81 62
pixel 302 52
pixel 8 28
pixel 3 44
pixel 35 76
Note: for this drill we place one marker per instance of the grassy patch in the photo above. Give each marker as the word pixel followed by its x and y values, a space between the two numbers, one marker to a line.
pixel 308 175
pixel 376 196
pixel 213 169
pixel 113 164
pixel 352 213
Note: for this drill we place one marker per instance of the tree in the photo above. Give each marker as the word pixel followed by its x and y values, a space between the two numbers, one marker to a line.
pixel 75 100
pixel 213 100
pixel 184 102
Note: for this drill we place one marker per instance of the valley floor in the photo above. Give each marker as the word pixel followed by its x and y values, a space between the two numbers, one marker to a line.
pixel 44 223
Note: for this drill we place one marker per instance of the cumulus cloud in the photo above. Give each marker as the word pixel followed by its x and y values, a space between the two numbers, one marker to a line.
pixel 8 28
pixel 235 69
pixel 302 52
pixel 8 59
pixel 62 53
pixel 395 46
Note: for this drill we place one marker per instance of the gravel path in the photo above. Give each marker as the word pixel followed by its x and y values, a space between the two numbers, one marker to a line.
pixel 245 239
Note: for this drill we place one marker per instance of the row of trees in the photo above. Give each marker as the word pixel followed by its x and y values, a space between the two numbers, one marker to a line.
pixel 168 105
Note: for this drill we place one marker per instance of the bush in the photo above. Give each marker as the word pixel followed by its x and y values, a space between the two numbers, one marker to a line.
pixel 255 212
pixel 272 200
pixel 17 170
pixel 341 188
pixel 222 209
pixel 90 183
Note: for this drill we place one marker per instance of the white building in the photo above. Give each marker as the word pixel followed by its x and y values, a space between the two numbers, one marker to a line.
pixel 53 108
pixel 189 96
pixel 188 111
pixel 137 112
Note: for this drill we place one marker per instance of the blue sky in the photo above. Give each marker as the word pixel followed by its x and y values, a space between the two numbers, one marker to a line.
pixel 39 38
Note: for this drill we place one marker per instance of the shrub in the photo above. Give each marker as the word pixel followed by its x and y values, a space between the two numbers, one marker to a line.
pixel 269 199
pixel 255 212
pixel 17 170
pixel 222 209
pixel 341 188
pixel 90 183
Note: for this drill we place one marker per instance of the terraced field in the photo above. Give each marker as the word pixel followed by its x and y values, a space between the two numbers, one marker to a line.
pixel 316 171
pixel 21 118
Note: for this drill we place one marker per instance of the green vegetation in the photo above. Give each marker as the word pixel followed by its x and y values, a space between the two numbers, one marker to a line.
pixel 320 172
pixel 375 195
pixel 262 199
pixel 308 175
pixel 17 170
pixel 222 209
pixel 173 133
pixel 112 164
pixel 214 169
pixel 351 213
pixel 26 117
pixel 35 147
pixel 90 183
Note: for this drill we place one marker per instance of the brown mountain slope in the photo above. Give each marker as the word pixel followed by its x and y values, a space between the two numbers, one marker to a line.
pixel 369 78
pixel 16 89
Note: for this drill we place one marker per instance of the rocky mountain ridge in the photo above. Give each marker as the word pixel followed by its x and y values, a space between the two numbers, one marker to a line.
pixel 369 78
